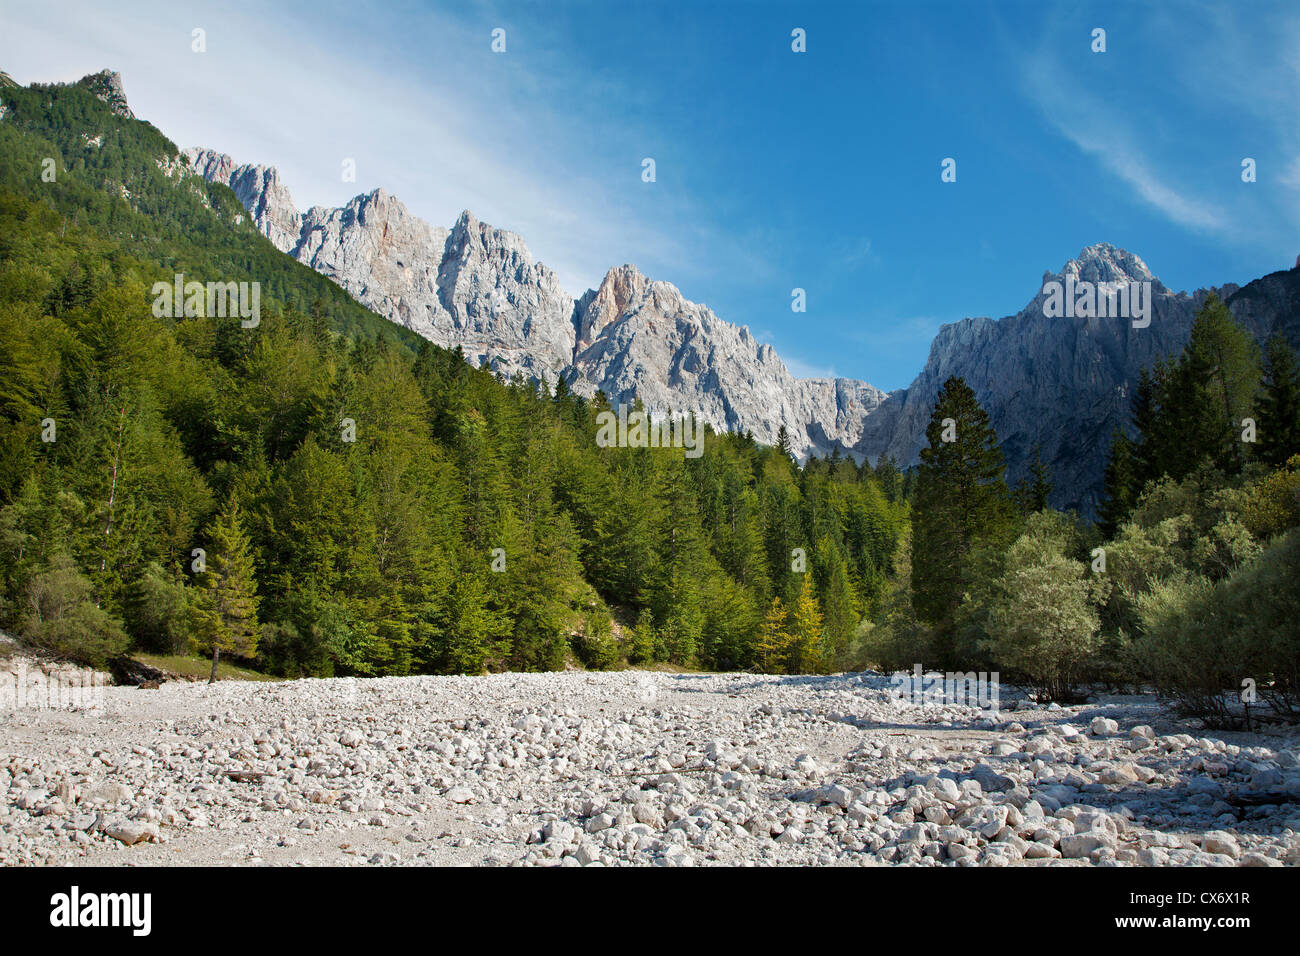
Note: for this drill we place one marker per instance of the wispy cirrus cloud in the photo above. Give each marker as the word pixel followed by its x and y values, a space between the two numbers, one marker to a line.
pixel 1102 131
pixel 1223 78
pixel 431 115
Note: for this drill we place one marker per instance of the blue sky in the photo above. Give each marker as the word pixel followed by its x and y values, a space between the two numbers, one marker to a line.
pixel 775 170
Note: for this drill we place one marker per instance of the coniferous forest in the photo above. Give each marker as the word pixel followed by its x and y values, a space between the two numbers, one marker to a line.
pixel 327 494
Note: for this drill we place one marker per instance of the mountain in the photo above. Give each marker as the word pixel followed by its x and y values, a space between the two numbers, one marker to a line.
pixel 120 175
pixel 107 86
pixel 1063 383
pixel 364 483
pixel 638 338
pixel 478 288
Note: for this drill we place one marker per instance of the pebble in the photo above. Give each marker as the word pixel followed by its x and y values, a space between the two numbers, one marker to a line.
pixel 578 769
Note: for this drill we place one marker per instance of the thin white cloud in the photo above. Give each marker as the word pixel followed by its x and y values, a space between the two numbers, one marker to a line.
pixel 475 131
pixel 1226 67
pixel 1102 131
pixel 801 369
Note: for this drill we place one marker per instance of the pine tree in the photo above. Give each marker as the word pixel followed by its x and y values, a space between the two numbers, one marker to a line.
pixel 1191 411
pixel 227 607
pixel 961 498
pixel 891 482
pixel 783 443
pixel 806 653
pixel 773 644
pixel 837 600
pixel 1120 484
pixel 1278 406
pixel 1152 449
pixel 473 630
pixel 1036 487
pixel 1210 392
pixel 909 484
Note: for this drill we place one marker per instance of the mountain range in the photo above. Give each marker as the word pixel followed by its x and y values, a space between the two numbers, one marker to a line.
pixel 1060 385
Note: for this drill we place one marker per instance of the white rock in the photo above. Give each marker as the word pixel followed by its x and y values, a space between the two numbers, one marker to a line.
pixel 1103 727
pixel 1221 842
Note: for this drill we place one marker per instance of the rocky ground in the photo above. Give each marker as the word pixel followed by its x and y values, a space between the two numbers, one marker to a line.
pixel 616 768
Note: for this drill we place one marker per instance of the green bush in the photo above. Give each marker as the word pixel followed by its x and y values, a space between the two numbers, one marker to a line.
pixel 1272 505
pixel 157 613
pixel 596 647
pixel 61 616
pixel 1201 640
pixel 1042 618
pixel 898 640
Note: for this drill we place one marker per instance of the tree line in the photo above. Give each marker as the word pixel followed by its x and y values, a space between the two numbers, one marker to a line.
pixel 1186 582
pixel 327 494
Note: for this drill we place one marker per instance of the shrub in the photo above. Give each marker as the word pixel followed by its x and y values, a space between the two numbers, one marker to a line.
pixel 596 647
pixel 1272 505
pixel 61 616
pixel 1202 639
pixel 642 639
pixel 1041 618
pixel 158 612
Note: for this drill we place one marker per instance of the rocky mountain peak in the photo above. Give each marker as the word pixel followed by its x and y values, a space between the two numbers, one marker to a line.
pixel 473 239
pixel 1105 263
pixel 258 188
pixel 107 86
pixel 621 286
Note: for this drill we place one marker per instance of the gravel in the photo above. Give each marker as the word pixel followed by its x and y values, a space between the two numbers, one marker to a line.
pixel 603 769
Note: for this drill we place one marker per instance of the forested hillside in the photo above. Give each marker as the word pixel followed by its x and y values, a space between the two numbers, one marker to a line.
pixel 321 493
pixel 318 496
pixel 1187 584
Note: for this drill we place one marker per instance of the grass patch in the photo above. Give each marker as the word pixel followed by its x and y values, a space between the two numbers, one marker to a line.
pixel 199 668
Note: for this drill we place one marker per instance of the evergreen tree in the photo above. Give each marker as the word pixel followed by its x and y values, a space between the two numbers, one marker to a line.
pixel 806 655
pixel 783 443
pixel 891 481
pixel 1153 450
pixel 837 601
pixel 1036 487
pixel 227 607
pixel 473 630
pixel 1211 391
pixel 1120 484
pixel 961 499
pixel 1192 411
pixel 1278 406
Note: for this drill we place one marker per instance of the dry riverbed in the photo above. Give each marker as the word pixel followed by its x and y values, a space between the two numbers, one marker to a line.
pixel 631 767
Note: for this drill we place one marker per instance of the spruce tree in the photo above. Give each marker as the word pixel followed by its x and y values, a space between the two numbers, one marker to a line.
pixel 837 600
pixel 1151 450
pixel 1211 391
pixel 783 443
pixel 227 607
pixel 1035 487
pixel 961 499
pixel 1278 406
pixel 1120 484
pixel 891 482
